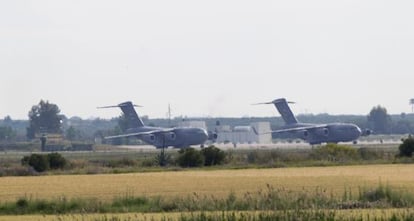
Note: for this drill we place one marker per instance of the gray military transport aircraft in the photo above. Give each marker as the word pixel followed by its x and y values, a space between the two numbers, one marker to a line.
pixel 316 133
pixel 178 137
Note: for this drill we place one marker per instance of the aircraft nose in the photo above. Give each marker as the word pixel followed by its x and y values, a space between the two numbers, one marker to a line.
pixel 358 131
pixel 204 134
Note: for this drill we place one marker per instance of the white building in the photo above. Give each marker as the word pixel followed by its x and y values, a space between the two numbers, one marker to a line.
pixel 254 133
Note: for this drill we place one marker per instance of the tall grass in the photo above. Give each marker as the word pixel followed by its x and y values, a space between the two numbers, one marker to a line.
pixel 285 215
pixel 267 199
pixel 294 215
pixel 386 196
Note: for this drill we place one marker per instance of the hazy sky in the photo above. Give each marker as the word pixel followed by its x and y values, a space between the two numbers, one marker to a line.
pixel 206 58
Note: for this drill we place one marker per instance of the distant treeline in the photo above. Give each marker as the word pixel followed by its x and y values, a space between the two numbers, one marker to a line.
pixel 89 129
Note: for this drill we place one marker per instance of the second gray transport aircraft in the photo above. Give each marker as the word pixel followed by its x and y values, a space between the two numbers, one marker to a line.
pixel 178 137
pixel 316 133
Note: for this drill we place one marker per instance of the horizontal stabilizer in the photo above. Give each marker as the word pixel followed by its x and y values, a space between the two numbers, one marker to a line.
pixel 119 105
pixel 276 101
pixel 134 121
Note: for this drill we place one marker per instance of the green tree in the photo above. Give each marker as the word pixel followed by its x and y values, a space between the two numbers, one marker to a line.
pixel 190 157
pixel 71 133
pixel 379 120
pixel 44 117
pixel 7 133
pixel 401 125
pixel 407 147
pixel 7 120
pixel 213 156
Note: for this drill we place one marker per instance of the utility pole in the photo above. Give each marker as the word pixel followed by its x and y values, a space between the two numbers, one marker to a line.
pixel 412 105
pixel 169 115
pixel 162 157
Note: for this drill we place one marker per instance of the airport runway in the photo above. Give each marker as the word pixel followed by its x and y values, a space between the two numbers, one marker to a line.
pixel 279 145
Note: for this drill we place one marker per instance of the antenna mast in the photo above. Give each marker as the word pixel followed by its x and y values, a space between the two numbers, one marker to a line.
pixel 169 115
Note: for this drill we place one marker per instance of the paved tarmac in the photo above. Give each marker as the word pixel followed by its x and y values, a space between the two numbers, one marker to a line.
pixel 278 145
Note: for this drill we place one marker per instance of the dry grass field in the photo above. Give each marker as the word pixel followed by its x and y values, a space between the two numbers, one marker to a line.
pixel 365 214
pixel 217 182
pixel 87 217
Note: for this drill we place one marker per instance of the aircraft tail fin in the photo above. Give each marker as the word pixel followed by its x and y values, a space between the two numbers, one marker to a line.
pixel 131 115
pixel 284 110
pixel 283 107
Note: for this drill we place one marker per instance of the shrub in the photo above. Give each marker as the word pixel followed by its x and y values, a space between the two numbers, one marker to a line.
pixel 150 162
pixel 123 162
pixel 190 157
pixel 367 153
pixel 407 147
pixel 213 156
pixel 253 157
pixel 387 195
pixel 22 203
pixel 56 161
pixel 17 171
pixel 25 160
pixel 39 162
pixel 163 159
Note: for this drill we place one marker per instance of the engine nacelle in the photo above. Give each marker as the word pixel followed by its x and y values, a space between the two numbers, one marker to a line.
pixel 212 135
pixel 170 136
pixel 366 132
pixel 322 132
pixel 305 134
pixel 150 137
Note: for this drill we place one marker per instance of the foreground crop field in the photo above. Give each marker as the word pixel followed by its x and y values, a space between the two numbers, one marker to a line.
pixel 86 217
pixel 356 214
pixel 217 183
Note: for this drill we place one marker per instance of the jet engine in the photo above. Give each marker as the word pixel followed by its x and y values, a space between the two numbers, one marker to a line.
pixel 150 137
pixel 322 131
pixel 212 135
pixel 170 136
pixel 366 132
pixel 305 134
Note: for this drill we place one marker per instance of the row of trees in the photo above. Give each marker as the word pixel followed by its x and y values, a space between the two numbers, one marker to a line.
pixel 7 133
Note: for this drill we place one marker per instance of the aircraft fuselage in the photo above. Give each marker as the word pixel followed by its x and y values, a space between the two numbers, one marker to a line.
pixel 329 133
pixel 179 137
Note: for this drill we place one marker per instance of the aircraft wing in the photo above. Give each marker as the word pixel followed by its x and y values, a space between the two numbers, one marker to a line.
pixel 293 129
pixel 141 133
